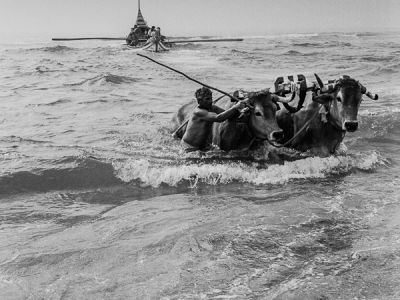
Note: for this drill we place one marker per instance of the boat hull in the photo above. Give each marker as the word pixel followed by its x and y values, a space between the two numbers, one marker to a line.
pixel 150 46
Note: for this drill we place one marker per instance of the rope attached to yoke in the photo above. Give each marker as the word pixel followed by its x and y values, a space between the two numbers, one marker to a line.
pixel 190 78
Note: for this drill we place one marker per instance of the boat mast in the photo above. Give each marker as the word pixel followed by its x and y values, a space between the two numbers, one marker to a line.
pixel 141 23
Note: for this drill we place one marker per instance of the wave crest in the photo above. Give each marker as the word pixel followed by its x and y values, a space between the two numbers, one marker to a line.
pixel 254 173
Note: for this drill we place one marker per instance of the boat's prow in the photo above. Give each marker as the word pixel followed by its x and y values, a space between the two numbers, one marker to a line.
pixel 150 47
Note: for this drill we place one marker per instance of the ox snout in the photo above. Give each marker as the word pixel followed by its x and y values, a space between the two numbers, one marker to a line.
pixel 351 126
pixel 277 135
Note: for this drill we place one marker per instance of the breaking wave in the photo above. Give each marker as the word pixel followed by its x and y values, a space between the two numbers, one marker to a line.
pixel 254 173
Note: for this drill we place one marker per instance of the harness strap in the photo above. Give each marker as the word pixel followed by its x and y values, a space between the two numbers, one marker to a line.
pixel 302 97
pixel 297 134
pixel 331 120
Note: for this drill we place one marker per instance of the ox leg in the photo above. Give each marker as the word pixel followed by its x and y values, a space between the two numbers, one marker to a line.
pixel 341 149
pixel 275 158
pixel 324 152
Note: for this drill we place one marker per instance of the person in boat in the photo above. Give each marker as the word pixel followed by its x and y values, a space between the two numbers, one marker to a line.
pixel 199 128
pixel 152 36
pixel 158 32
pixel 153 28
pixel 132 39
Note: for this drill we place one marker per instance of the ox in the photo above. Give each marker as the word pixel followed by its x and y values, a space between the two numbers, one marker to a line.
pixel 308 130
pixel 257 122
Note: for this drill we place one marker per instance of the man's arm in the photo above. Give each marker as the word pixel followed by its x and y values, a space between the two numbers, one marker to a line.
pixel 217 109
pixel 213 117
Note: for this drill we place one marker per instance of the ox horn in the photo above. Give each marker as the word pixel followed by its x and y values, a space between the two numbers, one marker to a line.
pixel 368 93
pixel 325 88
pixel 277 98
pixel 320 83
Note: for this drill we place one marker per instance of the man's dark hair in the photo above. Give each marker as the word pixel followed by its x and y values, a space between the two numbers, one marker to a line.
pixel 203 92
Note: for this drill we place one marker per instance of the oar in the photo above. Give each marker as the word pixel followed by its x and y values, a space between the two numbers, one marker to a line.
pixel 204 41
pixel 123 39
pixel 90 38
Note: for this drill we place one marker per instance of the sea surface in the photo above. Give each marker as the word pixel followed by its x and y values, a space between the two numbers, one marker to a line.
pixel 98 202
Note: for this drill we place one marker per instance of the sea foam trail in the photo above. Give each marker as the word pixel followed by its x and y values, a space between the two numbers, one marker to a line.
pixel 223 173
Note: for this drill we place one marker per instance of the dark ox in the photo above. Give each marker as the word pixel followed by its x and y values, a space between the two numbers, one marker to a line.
pixel 256 123
pixel 315 133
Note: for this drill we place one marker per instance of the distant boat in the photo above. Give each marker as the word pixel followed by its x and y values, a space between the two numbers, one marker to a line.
pixel 143 43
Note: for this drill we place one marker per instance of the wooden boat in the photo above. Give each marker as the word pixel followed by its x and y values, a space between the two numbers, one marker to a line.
pixel 147 44
pixel 145 41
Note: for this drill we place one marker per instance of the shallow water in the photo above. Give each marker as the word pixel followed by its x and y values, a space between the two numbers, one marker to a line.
pixel 98 202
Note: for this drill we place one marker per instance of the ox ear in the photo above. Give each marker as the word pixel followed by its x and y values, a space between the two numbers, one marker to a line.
pixel 325 88
pixel 322 99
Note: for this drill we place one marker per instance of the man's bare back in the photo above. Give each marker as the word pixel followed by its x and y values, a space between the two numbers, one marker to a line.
pixel 199 127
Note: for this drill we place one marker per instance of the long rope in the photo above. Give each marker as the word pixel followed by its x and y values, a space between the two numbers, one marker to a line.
pixel 190 78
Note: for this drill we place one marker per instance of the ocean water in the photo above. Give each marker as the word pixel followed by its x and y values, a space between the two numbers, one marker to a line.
pixel 98 202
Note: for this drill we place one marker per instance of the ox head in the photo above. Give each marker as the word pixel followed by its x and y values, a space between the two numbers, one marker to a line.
pixel 342 99
pixel 262 107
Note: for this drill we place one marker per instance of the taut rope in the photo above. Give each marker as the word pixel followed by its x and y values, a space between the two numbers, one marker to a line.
pixel 190 78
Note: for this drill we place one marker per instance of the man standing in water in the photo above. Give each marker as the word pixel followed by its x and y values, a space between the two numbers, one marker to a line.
pixel 157 37
pixel 198 131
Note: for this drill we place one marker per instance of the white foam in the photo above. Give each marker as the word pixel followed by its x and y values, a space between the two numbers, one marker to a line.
pixel 223 173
